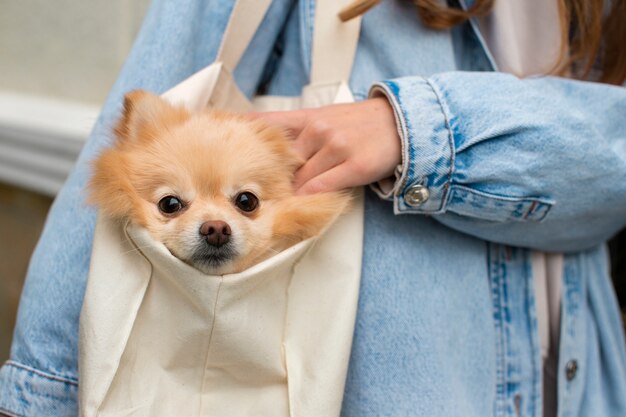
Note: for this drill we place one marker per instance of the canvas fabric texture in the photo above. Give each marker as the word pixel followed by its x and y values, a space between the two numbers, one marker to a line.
pixel 160 338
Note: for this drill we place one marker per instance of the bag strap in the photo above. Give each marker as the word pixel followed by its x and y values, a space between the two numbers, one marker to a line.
pixel 244 21
pixel 334 42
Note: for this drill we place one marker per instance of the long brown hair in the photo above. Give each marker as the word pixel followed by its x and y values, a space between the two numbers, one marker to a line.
pixel 592 39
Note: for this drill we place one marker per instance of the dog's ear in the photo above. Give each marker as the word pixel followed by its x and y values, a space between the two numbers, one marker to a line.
pixel 301 217
pixel 110 188
pixel 145 113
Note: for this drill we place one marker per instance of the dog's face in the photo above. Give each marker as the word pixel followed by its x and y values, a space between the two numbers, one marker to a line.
pixel 214 188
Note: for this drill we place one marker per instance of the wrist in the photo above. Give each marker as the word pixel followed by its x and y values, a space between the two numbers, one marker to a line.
pixel 386 188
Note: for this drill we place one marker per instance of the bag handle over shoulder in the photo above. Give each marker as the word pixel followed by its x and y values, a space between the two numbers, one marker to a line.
pixel 334 42
pixel 244 22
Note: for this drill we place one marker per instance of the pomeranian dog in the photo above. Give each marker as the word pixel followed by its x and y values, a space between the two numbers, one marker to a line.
pixel 215 188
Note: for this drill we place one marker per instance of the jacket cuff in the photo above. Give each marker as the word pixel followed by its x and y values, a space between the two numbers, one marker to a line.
pixel 423 182
pixel 28 392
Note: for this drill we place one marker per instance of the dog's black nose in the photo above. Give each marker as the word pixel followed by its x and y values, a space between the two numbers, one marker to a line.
pixel 216 232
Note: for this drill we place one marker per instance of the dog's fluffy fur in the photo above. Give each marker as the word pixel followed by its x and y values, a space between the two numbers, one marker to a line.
pixel 206 160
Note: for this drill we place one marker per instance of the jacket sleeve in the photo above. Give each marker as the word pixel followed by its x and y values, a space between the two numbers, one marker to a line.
pixel 536 162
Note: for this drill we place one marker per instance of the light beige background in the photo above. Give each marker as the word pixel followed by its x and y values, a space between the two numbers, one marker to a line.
pixel 66 48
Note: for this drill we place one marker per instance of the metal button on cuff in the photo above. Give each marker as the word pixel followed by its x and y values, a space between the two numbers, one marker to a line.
pixel 571 369
pixel 416 195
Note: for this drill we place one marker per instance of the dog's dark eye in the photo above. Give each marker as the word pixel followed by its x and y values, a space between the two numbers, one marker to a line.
pixel 170 204
pixel 246 201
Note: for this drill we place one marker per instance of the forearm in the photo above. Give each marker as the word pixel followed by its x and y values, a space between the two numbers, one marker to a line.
pixel 539 163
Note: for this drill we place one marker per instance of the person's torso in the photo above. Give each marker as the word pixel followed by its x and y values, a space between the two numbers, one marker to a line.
pixel 446 323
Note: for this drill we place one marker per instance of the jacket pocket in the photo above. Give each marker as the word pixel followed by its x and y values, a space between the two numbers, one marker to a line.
pixel 468 202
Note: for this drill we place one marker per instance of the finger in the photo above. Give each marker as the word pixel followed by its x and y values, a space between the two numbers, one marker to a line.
pixel 335 179
pixel 311 139
pixel 320 162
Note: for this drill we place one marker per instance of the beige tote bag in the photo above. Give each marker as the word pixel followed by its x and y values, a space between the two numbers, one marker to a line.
pixel 159 338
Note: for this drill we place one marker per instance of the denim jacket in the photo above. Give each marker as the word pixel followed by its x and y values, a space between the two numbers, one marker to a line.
pixel 493 167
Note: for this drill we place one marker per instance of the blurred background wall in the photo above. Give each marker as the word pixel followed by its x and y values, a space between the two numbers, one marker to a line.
pixel 58 60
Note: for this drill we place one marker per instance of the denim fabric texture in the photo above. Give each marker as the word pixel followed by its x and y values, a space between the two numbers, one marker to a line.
pixel 446 324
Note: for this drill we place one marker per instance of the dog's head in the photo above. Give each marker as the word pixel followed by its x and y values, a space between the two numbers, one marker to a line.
pixel 214 188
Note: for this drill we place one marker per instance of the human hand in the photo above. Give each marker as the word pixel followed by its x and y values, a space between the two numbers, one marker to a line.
pixel 343 145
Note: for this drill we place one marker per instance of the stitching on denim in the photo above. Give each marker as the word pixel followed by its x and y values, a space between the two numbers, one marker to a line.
pixel 535 343
pixel 536 212
pixel 43 374
pixel 539 200
pixel 410 140
pixel 10 413
pixel 496 281
pixel 446 187
pixel 482 44
pixel 573 329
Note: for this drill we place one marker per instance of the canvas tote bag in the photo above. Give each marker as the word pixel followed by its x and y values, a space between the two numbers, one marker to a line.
pixel 160 338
